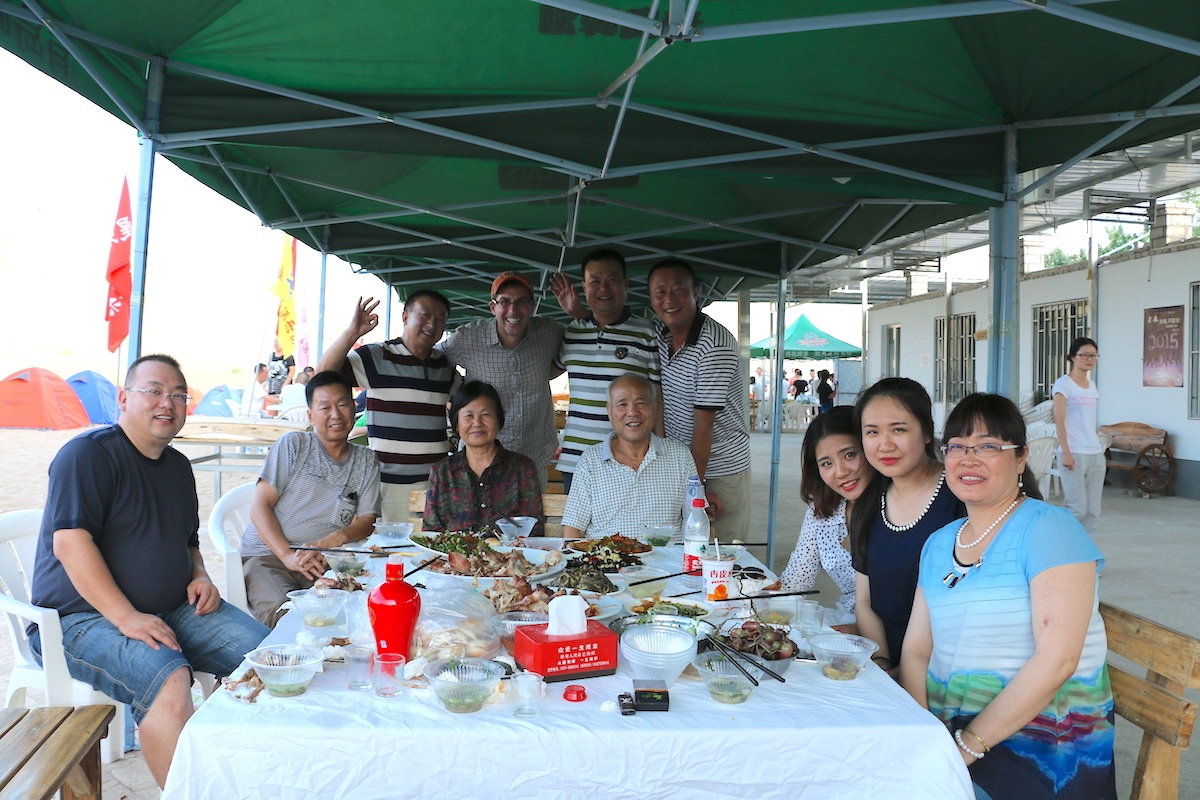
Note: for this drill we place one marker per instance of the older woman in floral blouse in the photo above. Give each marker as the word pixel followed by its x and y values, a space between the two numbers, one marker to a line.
pixel 482 482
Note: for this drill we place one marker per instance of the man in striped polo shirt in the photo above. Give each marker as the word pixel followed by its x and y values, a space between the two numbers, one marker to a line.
pixel 705 406
pixel 408 384
pixel 598 347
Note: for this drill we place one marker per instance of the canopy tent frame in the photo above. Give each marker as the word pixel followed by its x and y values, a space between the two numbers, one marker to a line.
pixel 408 254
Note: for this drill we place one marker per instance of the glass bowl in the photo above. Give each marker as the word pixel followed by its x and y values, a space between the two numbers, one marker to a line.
pixel 392 534
pixel 349 564
pixel 318 607
pixel 463 685
pixel 841 655
pixel 657 652
pixel 286 669
pixel 652 589
pixel 506 624
pixel 724 681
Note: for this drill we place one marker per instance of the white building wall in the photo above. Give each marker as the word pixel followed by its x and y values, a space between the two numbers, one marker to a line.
pixel 1125 289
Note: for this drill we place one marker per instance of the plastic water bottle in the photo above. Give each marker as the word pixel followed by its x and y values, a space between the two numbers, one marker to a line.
pixel 695 535
pixel 694 489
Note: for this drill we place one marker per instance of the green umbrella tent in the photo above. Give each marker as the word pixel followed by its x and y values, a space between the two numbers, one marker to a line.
pixel 805 341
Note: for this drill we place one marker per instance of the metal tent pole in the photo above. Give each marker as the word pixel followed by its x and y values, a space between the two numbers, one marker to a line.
pixel 141 217
pixel 1002 339
pixel 777 401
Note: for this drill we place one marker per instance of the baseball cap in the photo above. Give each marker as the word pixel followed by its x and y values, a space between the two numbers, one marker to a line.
pixel 510 277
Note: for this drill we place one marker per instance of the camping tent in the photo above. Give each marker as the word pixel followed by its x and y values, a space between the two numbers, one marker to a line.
pixel 37 398
pixel 98 395
pixel 219 401
pixel 804 341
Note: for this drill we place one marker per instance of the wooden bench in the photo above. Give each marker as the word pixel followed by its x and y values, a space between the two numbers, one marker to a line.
pixel 43 750
pixel 553 506
pixel 1142 449
pixel 1155 703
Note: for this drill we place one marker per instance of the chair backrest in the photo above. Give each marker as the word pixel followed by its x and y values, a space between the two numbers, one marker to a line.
pixel 18 546
pixel 294 414
pixel 1155 703
pixel 553 506
pixel 1041 453
pixel 226 524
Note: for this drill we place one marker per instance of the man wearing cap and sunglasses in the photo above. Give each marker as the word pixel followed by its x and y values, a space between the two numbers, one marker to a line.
pixel 517 353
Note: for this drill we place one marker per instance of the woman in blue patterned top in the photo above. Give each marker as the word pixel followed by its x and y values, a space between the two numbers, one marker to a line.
pixel 483 481
pixel 1006 644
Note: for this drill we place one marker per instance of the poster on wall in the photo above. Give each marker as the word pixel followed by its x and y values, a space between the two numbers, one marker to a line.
pixel 1162 347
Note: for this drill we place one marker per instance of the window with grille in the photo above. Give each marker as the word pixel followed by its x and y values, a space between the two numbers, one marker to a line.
pixel 891 351
pixel 960 355
pixel 1055 326
pixel 1194 357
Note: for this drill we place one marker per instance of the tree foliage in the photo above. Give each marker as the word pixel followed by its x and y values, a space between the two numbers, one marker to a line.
pixel 1057 258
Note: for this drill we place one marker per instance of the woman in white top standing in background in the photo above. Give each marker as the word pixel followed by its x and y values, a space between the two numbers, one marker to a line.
pixel 1082 458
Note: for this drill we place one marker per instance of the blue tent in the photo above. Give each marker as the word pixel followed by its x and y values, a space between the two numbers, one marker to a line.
pixel 216 402
pixel 98 395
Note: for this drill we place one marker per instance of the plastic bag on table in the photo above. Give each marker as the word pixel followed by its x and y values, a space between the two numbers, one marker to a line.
pixel 455 623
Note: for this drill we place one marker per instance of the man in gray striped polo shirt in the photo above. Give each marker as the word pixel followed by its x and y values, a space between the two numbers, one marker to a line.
pixel 705 406
pixel 598 347
pixel 315 489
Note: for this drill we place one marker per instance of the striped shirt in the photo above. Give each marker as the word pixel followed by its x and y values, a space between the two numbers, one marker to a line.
pixel 406 407
pixel 521 376
pixel 706 374
pixel 594 356
pixel 609 497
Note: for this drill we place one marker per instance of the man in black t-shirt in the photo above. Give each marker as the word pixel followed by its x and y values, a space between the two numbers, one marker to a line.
pixel 118 557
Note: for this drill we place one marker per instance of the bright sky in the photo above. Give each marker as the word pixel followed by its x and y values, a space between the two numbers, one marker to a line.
pixel 211 264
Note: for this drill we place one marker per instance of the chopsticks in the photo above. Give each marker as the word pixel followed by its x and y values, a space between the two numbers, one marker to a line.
pixel 712 640
pixel 733 655
pixel 664 577
pixel 351 549
pixel 422 566
pixel 763 596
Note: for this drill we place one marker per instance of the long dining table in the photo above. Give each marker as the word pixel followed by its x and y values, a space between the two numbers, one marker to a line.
pixel 810 737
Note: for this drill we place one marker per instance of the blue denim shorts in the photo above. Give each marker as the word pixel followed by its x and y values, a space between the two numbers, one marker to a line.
pixel 131 672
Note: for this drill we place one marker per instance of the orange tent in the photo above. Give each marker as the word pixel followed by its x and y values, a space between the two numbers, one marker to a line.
pixel 37 398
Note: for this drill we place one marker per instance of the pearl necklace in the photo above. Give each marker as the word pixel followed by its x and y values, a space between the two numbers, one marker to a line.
pixel 913 524
pixel 958 536
pixel 958 570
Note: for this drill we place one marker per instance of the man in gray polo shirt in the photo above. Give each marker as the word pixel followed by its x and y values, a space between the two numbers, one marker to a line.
pixel 315 489
pixel 702 392
pixel 632 478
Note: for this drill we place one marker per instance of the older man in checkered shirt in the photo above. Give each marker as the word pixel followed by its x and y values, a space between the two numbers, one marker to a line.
pixel 633 478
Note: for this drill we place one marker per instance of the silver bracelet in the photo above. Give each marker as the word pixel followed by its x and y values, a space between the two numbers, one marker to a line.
pixel 963 746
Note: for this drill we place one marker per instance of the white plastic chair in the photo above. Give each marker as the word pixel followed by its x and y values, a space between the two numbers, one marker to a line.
pixel 1041 454
pixel 294 414
pixel 226 524
pixel 18 544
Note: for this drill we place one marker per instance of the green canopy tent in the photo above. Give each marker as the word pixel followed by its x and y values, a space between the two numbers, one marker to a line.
pixel 805 341
pixel 438 143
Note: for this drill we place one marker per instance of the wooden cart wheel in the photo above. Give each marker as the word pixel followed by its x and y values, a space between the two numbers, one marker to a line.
pixel 1154 469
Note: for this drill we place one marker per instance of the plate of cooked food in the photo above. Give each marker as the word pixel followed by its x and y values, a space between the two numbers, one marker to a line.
pixel 485 564
pixel 520 595
pixel 668 605
pixel 617 542
pixel 588 578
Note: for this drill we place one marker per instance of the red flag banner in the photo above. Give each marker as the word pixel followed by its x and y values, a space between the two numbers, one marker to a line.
pixel 120 281
pixel 285 290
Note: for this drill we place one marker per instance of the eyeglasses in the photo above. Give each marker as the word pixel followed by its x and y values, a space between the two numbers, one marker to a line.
pixel 505 302
pixel 176 397
pixel 985 451
pixel 1087 355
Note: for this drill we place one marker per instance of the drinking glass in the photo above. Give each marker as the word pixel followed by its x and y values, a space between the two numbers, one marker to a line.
pixel 387 674
pixel 527 690
pixel 810 617
pixel 358 667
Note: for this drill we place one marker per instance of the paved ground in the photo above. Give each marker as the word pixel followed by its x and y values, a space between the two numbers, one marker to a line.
pixel 1149 545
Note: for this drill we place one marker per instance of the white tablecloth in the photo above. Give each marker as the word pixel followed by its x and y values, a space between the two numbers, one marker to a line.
pixel 809 738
